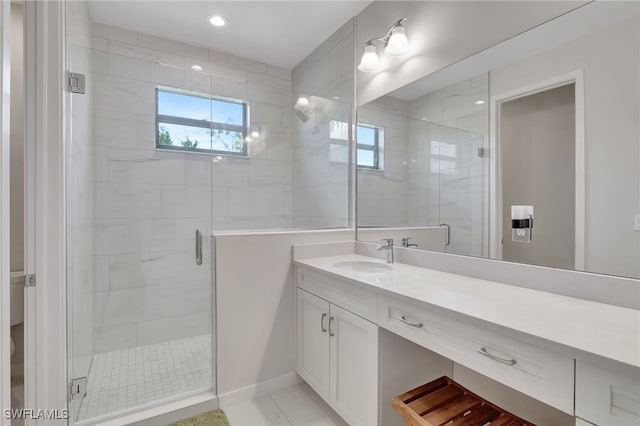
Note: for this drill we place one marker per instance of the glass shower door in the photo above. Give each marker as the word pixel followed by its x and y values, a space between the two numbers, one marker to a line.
pixel 140 288
pixel 457 158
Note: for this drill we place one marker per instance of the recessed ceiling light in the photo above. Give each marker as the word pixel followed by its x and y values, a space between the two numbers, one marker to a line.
pixel 196 67
pixel 480 102
pixel 217 21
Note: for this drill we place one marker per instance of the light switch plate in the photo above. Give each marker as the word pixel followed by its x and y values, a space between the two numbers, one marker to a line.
pixel 636 225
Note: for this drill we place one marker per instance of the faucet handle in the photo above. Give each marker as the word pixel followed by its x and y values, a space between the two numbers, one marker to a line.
pixel 388 242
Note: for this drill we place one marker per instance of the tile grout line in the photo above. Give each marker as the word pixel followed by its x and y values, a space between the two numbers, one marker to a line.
pixel 280 408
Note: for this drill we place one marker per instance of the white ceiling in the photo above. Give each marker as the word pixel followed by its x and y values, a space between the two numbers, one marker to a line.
pixel 279 33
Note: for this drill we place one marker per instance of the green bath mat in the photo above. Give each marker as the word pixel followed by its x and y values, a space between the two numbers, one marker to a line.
pixel 212 418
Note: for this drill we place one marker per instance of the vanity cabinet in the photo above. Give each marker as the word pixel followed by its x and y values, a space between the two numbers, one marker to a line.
pixel 338 341
pixel 537 372
pixel 337 355
pixel 608 395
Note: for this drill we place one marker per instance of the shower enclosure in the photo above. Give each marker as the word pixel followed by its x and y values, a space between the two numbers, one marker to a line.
pixel 167 144
pixel 141 304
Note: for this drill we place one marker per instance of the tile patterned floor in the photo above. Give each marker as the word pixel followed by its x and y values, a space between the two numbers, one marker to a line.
pixel 126 378
pixel 296 405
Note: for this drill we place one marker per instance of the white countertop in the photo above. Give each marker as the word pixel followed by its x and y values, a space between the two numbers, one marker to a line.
pixel 606 330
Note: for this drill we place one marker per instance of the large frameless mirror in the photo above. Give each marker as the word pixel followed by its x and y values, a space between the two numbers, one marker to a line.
pixel 527 151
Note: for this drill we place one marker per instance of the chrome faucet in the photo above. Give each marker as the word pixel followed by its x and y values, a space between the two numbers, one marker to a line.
pixel 405 242
pixel 388 246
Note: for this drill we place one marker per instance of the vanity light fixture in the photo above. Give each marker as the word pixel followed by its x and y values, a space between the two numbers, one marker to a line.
pixel 217 21
pixel 395 42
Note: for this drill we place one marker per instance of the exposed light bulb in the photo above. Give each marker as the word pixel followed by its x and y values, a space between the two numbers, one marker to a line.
pixel 480 102
pixel 196 67
pixel 303 102
pixel 217 21
pixel 398 44
pixel 370 61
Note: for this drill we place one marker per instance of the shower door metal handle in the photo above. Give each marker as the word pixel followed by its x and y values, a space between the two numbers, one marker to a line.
pixel 448 233
pixel 198 247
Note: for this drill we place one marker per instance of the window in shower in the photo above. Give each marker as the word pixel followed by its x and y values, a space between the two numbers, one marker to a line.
pixel 370 142
pixel 200 123
pixel 368 138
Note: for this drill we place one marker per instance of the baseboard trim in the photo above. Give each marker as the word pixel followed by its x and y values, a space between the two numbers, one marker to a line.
pixel 248 393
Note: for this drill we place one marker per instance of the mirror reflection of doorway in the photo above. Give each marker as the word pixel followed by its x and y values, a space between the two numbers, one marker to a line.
pixel 537 147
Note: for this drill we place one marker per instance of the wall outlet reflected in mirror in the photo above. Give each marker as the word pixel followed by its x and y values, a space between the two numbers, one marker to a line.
pixel 522 235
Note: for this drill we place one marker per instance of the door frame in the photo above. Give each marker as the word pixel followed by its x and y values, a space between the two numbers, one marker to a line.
pixel 5 245
pixel 495 178
pixel 45 117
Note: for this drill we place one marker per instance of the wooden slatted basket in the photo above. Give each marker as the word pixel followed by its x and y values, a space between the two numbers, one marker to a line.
pixel 445 402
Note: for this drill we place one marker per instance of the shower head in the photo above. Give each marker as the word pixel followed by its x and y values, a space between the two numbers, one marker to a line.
pixel 302 116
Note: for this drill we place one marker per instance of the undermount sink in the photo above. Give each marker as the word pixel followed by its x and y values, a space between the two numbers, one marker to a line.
pixel 363 266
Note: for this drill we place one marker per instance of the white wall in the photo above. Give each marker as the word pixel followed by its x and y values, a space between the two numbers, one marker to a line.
pixel 610 60
pixel 148 203
pixel 441 33
pixel 256 306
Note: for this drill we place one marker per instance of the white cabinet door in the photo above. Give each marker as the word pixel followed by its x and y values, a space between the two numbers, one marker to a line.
pixel 354 367
pixel 313 342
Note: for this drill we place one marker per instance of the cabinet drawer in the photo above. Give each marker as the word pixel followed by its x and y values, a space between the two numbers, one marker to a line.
pixel 608 396
pixel 536 372
pixel 347 295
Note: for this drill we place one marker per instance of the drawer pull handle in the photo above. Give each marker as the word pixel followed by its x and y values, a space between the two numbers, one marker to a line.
pixel 322 327
pixel 331 333
pixel 483 351
pixel 412 324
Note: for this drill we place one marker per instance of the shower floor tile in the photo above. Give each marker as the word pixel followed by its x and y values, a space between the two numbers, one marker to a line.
pixel 126 378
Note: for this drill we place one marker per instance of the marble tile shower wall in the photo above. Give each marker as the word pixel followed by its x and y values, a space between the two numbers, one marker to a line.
pixel 320 164
pixel 383 195
pixel 148 203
